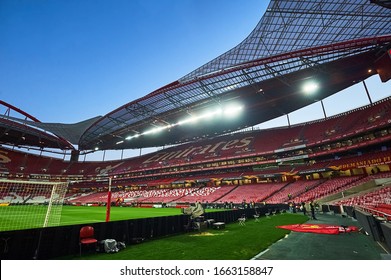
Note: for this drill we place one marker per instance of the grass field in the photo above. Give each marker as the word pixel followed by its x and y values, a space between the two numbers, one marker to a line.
pixel 84 214
pixel 235 242
pixel 23 217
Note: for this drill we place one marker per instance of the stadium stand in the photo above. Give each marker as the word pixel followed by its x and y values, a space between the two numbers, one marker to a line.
pixel 239 166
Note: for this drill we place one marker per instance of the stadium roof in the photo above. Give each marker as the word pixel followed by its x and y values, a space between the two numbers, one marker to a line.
pixel 29 131
pixel 334 43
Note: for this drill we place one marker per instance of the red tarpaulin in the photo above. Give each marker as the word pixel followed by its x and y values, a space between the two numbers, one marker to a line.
pixel 320 228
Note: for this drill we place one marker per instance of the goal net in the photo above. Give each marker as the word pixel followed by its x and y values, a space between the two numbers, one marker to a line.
pixel 30 204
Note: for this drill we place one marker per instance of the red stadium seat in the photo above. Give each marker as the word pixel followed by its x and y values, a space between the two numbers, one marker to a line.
pixel 87 237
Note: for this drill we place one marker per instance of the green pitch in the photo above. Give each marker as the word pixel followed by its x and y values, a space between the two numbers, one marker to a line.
pixel 235 242
pixel 23 217
pixel 83 214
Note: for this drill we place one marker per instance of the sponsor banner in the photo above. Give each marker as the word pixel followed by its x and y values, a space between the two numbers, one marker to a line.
pixel 290 148
pixel 269 175
pixel 232 178
pixel 292 158
pixel 203 180
pixel 314 171
pixel 366 163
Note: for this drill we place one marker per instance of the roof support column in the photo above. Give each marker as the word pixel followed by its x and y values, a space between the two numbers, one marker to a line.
pixel 324 111
pixel 366 90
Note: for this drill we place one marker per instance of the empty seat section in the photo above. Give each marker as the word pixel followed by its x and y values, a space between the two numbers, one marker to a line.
pixel 253 192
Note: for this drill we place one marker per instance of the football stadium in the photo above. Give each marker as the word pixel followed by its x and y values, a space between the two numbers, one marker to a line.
pixel 217 186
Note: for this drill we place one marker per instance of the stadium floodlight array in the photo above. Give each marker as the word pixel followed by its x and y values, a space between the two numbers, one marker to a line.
pixel 30 204
pixel 230 110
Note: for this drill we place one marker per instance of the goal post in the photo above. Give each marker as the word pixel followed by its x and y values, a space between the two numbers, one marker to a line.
pixel 108 203
pixel 30 204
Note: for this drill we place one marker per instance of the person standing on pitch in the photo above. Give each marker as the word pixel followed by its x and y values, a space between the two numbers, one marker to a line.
pixel 303 208
pixel 312 207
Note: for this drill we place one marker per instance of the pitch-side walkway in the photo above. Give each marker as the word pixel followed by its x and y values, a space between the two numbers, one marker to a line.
pixel 310 246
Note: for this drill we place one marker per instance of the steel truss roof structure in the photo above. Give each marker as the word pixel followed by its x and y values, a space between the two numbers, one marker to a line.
pixel 26 131
pixel 334 42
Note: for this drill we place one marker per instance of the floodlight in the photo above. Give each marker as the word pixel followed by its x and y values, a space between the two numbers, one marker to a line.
pixel 232 110
pixel 310 87
pixel 154 130
pixel 208 115
pixel 183 122
pixel 191 119
pixel 219 111
pixel 131 137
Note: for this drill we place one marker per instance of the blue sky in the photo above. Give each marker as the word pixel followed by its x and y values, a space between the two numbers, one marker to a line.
pixel 69 60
